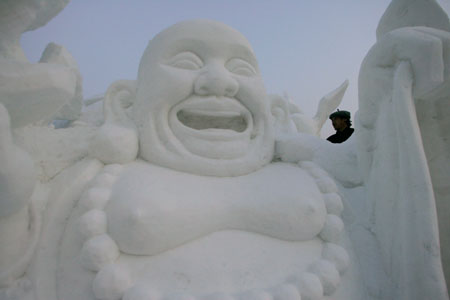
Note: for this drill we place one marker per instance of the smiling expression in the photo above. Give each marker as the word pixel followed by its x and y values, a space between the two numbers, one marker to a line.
pixel 201 104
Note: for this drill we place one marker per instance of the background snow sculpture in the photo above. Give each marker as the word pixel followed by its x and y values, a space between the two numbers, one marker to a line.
pixel 18 17
pixel 36 92
pixel 29 93
pixel 290 118
pixel 403 146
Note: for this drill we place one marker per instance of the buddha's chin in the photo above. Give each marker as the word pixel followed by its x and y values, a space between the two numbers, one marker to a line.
pixel 188 162
pixel 209 156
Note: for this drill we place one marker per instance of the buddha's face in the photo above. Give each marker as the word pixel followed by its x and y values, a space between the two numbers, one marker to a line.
pixel 201 104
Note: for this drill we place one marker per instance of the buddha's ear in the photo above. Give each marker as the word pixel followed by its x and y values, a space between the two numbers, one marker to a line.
pixel 117 139
pixel 279 108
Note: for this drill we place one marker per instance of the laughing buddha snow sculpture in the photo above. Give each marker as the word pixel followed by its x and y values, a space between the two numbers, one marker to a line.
pixel 203 209
pixel 188 203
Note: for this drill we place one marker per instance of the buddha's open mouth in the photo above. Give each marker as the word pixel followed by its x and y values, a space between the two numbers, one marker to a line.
pixel 203 120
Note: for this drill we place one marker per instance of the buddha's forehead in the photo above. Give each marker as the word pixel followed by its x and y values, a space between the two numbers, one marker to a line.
pixel 198 35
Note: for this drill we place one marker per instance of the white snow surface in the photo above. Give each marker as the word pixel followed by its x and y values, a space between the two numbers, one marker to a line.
pixel 191 182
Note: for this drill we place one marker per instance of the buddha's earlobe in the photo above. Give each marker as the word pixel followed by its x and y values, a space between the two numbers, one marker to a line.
pixel 117 139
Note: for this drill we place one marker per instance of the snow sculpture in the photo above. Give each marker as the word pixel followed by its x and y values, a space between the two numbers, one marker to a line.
pixel 51 89
pixel 203 111
pixel 32 93
pixel 20 16
pixel 403 145
pixel 186 148
pixel 289 118
pixel 199 185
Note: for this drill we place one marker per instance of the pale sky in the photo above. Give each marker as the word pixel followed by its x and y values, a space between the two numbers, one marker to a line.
pixel 305 48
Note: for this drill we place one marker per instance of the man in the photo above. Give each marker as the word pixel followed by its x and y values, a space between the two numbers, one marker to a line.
pixel 341 123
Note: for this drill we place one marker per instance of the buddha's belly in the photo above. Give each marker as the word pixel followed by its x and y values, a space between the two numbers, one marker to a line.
pixel 154 209
pixel 229 262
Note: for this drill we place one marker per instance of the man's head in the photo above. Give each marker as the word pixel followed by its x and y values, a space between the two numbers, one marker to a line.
pixel 201 105
pixel 340 120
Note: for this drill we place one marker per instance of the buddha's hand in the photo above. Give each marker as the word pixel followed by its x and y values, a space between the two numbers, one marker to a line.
pixel 427 51
pixel 17 177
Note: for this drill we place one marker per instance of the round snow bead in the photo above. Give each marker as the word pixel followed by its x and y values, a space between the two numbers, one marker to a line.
pixel 92 223
pixel 286 292
pixel 333 202
pixel 328 275
pixel 98 251
pixel 332 229
pixel 326 185
pixel 337 255
pixel 310 287
pixel 111 283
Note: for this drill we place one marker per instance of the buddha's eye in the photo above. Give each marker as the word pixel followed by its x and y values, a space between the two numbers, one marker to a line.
pixel 186 60
pixel 240 67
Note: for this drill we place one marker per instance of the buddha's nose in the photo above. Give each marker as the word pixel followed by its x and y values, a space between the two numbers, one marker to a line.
pixel 216 81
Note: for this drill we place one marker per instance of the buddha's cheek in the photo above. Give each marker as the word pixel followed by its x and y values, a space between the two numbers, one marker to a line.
pixel 161 89
pixel 253 95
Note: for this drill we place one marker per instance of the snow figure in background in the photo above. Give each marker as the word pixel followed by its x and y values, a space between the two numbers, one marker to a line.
pixel 31 93
pixel 403 139
pixel 289 118
pixel 39 92
pixel 20 16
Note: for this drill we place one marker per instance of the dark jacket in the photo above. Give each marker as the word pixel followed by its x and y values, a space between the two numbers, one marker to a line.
pixel 341 136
